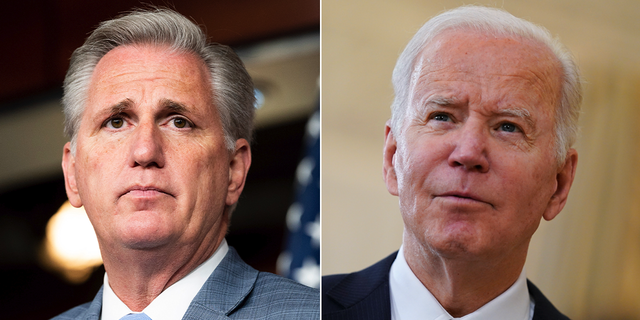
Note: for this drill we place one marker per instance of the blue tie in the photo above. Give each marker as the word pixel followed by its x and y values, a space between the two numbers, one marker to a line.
pixel 136 316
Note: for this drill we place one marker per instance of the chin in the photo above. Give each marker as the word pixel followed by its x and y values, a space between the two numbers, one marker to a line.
pixel 144 244
pixel 145 238
pixel 456 244
pixel 446 246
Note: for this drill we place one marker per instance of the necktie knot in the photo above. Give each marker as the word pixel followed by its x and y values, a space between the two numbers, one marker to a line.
pixel 136 316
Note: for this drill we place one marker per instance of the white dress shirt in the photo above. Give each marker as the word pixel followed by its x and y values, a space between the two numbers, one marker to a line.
pixel 410 299
pixel 173 302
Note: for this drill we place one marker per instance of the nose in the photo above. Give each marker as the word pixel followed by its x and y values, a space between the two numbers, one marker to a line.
pixel 470 150
pixel 146 148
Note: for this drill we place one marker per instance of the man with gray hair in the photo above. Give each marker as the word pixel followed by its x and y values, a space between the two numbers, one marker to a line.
pixel 160 123
pixel 478 150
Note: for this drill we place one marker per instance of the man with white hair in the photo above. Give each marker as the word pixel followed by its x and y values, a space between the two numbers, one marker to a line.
pixel 160 123
pixel 478 150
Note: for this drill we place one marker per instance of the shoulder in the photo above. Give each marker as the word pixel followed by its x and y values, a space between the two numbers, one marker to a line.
pixel 90 310
pixel 544 309
pixel 364 280
pixel 276 297
pixel 362 292
pixel 272 287
pixel 277 285
pixel 73 313
pixel 249 294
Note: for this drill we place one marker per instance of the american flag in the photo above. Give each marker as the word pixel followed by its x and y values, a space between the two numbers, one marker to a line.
pixel 301 259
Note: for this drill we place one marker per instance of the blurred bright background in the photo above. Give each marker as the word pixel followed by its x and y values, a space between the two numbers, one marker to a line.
pixel 587 260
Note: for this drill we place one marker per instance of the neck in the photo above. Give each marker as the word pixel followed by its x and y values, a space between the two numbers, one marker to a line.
pixel 137 277
pixel 462 284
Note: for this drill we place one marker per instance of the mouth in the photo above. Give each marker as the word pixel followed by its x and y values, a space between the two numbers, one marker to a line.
pixel 145 192
pixel 462 197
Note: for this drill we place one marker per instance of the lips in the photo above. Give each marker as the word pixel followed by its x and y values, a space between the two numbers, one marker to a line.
pixel 463 196
pixel 144 191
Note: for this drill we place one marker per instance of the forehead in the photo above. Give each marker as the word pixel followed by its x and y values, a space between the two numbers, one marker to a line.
pixel 490 62
pixel 148 57
pixel 124 70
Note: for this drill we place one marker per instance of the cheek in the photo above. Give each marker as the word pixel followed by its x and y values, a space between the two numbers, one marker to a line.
pixel 93 168
pixel 98 154
pixel 528 193
pixel 205 168
pixel 413 189
pixel 542 191
pixel 414 161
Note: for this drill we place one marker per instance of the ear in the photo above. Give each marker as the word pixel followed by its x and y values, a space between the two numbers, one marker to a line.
pixel 69 169
pixel 238 169
pixel 388 161
pixel 564 179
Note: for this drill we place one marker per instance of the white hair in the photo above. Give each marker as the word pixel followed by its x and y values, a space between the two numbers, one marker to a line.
pixel 498 22
pixel 231 86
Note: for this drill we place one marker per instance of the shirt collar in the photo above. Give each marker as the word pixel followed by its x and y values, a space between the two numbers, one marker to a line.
pixel 406 289
pixel 173 302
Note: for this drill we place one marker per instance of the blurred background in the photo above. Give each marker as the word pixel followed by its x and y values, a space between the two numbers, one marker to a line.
pixel 587 260
pixel 279 42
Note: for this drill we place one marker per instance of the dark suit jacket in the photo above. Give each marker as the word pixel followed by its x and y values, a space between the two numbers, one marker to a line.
pixel 365 295
pixel 235 291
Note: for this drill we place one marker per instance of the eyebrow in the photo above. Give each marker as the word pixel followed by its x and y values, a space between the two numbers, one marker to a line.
pixel 120 106
pixel 441 101
pixel 432 102
pixel 166 103
pixel 174 106
pixel 518 112
pixel 521 113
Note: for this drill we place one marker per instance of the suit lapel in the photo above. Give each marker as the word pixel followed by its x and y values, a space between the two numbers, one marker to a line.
pixel 364 294
pixel 94 309
pixel 543 309
pixel 225 290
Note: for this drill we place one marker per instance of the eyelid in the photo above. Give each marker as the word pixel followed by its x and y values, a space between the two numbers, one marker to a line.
pixel 112 116
pixel 520 117
pixel 517 126
pixel 179 116
pixel 438 105
pixel 435 113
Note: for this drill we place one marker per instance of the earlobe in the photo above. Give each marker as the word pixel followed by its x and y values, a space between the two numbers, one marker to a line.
pixel 238 169
pixel 69 170
pixel 564 179
pixel 388 162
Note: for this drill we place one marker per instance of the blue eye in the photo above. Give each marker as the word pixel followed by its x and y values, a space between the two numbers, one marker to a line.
pixel 441 117
pixel 508 127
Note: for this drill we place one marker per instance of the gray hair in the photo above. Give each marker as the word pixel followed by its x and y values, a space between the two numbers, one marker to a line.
pixel 495 22
pixel 231 86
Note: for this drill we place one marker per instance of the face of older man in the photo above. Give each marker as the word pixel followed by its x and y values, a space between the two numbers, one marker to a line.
pixel 473 164
pixel 151 166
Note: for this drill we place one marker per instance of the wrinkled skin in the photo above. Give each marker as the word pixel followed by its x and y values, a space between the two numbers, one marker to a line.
pixel 474 162
pixel 151 167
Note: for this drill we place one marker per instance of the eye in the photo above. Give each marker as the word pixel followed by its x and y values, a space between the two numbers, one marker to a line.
pixel 115 123
pixel 181 123
pixel 509 127
pixel 441 117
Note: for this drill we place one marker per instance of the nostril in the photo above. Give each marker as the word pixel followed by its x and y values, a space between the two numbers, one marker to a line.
pixel 146 164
